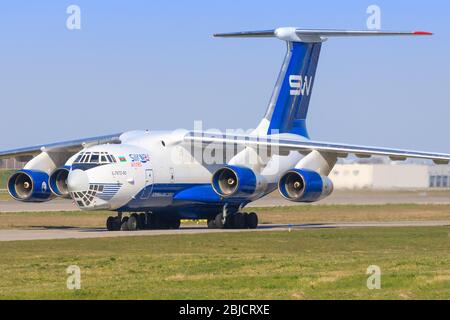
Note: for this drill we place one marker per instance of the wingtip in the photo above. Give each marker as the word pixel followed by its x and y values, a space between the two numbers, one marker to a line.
pixel 423 33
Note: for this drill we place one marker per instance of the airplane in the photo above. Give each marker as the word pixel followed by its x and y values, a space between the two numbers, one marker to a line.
pixel 153 179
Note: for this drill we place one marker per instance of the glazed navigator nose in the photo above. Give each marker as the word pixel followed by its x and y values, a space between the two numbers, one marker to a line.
pixel 77 181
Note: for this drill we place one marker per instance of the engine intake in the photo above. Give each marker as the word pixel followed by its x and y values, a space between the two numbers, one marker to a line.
pixel 301 185
pixel 29 186
pixel 58 182
pixel 234 181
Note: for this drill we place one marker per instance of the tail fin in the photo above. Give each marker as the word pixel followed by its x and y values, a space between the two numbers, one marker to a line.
pixel 289 104
pixel 288 107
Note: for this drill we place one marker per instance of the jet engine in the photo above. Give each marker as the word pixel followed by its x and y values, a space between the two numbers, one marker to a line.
pixel 237 182
pixel 301 185
pixel 29 186
pixel 58 182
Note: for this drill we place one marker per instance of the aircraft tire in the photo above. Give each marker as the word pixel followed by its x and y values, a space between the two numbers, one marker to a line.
pixel 175 224
pixel 148 220
pixel 211 224
pixel 218 221
pixel 155 222
pixel 136 219
pixel 142 217
pixel 110 223
pixel 239 221
pixel 161 223
pixel 132 223
pixel 117 224
pixel 251 220
pixel 169 223
pixel 124 225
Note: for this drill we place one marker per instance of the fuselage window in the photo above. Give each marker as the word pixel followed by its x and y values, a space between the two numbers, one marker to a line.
pixel 103 159
pixel 78 158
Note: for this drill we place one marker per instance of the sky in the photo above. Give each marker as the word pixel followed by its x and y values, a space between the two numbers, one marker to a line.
pixel 155 65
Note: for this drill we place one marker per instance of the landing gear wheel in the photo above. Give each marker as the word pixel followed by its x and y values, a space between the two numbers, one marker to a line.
pixel 218 221
pixel 169 223
pixel 148 217
pixel 162 223
pixel 176 223
pixel 142 221
pixel 117 224
pixel 124 224
pixel 110 223
pixel 238 221
pixel 211 224
pixel 152 221
pixel 136 218
pixel 252 220
pixel 132 223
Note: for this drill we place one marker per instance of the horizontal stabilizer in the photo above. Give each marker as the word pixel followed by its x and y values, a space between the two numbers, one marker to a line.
pixel 315 35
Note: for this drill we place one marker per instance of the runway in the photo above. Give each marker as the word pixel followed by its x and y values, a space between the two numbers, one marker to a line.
pixel 274 199
pixel 86 233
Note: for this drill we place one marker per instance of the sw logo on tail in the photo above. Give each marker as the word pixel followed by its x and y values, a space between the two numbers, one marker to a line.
pixel 300 86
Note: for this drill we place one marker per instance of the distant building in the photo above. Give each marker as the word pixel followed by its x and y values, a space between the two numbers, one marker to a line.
pixel 11 164
pixel 390 176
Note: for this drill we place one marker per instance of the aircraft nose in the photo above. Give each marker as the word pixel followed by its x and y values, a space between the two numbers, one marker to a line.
pixel 77 181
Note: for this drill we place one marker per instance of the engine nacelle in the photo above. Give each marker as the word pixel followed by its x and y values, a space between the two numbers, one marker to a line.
pixel 236 182
pixel 29 186
pixel 301 185
pixel 58 182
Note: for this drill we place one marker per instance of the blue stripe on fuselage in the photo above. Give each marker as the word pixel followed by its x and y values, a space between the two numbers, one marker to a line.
pixel 182 196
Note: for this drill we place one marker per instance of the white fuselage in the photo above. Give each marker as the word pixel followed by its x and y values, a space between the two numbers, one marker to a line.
pixel 149 171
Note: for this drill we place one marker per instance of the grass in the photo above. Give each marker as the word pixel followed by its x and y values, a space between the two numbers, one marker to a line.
pixel 293 214
pixel 351 213
pixel 4 195
pixel 4 176
pixel 15 220
pixel 301 264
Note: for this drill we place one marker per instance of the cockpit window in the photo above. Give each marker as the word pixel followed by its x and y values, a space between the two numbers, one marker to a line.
pixel 94 158
pixel 111 158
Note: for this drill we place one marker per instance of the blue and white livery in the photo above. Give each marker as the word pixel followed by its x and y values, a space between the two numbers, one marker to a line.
pixel 162 177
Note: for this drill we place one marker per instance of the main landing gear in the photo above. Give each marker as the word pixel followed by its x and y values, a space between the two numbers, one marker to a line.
pixel 141 221
pixel 238 220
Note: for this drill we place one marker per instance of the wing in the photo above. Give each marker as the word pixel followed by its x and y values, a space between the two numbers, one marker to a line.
pixel 64 146
pixel 305 146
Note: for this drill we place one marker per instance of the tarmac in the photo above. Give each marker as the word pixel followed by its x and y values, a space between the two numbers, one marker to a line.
pixel 86 233
pixel 339 197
